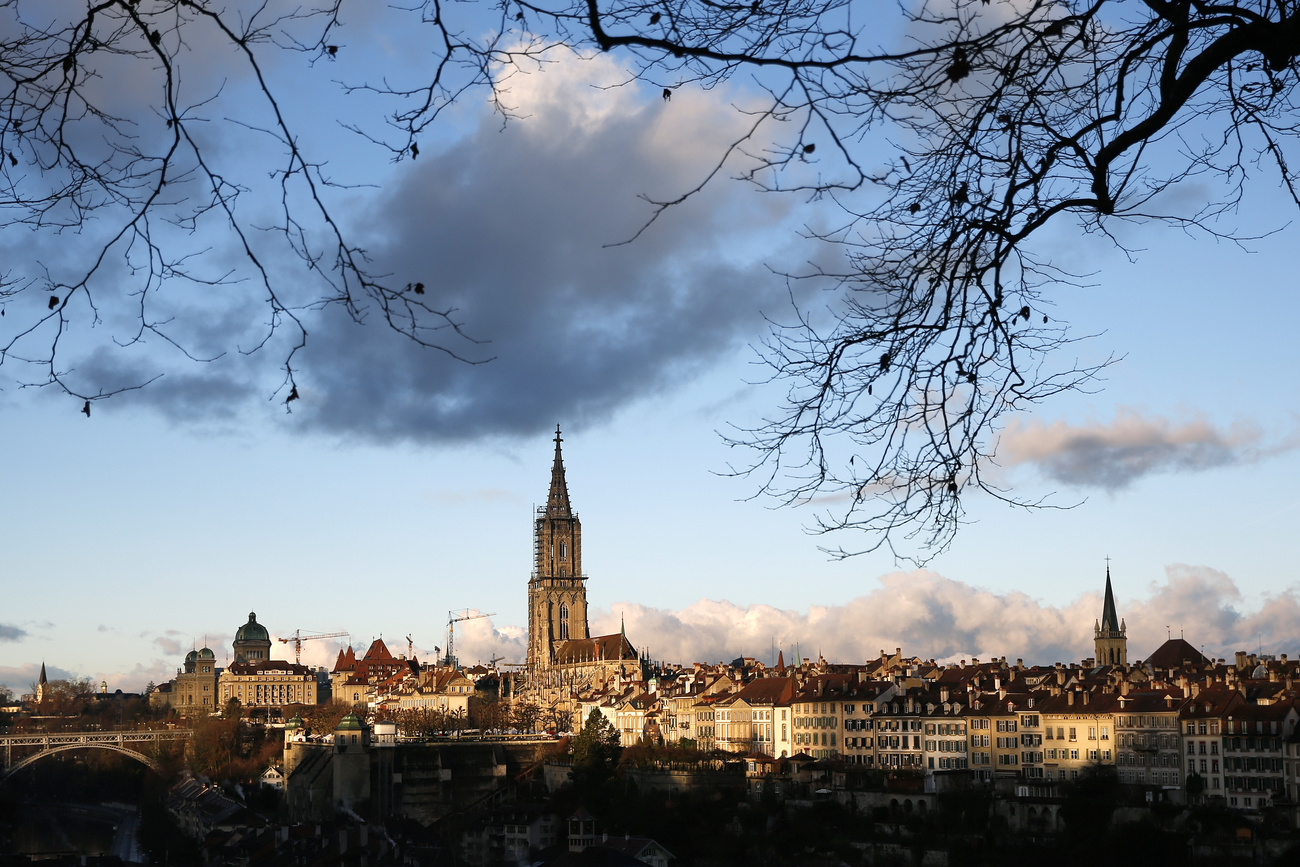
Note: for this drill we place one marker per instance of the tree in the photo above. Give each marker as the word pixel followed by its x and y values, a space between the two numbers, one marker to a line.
pixel 595 750
pixel 525 715
pixel 944 142
pixel 949 149
pixel 107 142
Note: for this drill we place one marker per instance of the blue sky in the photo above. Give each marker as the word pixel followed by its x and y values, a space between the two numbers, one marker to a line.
pixel 403 483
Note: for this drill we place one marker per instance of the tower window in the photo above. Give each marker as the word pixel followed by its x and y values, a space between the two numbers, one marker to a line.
pixel 564 614
pixel 564 550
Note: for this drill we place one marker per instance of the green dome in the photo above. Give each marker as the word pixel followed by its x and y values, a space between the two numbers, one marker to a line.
pixel 252 630
pixel 191 656
pixel 349 723
pixel 295 722
pixel 206 653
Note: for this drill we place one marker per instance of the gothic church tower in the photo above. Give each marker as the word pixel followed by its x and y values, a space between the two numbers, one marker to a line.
pixel 1110 638
pixel 557 589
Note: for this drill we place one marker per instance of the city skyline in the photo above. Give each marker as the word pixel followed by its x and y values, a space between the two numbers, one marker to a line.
pixel 402 485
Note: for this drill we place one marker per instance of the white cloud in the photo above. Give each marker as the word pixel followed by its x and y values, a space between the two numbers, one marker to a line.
pixel 931 616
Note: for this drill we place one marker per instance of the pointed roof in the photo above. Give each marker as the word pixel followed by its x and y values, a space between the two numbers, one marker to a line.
pixel 1176 653
pixel 557 500
pixel 43 679
pixel 780 660
pixel 1109 620
pixel 346 661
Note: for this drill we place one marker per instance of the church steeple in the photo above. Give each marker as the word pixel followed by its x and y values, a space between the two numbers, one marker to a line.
pixel 1110 634
pixel 1109 620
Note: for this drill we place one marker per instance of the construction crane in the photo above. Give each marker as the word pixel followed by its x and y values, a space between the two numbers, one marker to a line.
pixel 298 638
pixel 454 617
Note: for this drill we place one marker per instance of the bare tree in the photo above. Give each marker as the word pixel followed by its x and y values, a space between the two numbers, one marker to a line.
pixel 944 139
pixel 107 143
pixel 947 145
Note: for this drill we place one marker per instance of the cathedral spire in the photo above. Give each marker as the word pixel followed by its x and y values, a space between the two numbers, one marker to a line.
pixel 557 501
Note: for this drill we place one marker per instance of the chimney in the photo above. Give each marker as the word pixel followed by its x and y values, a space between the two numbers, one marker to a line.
pixel 943 694
pixel 1069 698
pixel 1020 663
pixel 1085 697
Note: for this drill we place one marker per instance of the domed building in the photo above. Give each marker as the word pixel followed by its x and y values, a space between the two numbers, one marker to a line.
pixel 252 641
pixel 195 687
pixel 257 680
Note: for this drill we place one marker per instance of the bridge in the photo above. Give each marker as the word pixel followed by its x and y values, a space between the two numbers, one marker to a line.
pixel 49 743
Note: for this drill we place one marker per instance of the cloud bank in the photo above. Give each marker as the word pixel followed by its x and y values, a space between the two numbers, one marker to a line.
pixel 11 633
pixel 920 611
pixel 931 616
pixel 1134 444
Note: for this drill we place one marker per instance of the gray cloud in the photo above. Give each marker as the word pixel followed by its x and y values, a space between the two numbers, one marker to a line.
pixel 9 632
pixel 513 227
pixel 20 678
pixel 1113 455
pixel 509 226
pixel 169 646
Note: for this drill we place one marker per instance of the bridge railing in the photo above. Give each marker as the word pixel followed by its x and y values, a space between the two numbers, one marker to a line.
pixel 55 740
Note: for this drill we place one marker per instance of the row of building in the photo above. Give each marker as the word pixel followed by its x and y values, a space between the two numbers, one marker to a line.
pixel 255 680
pixel 1176 723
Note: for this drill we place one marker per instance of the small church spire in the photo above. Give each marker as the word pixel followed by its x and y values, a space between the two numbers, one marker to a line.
pixel 557 501
pixel 1109 619
pixel 1110 635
